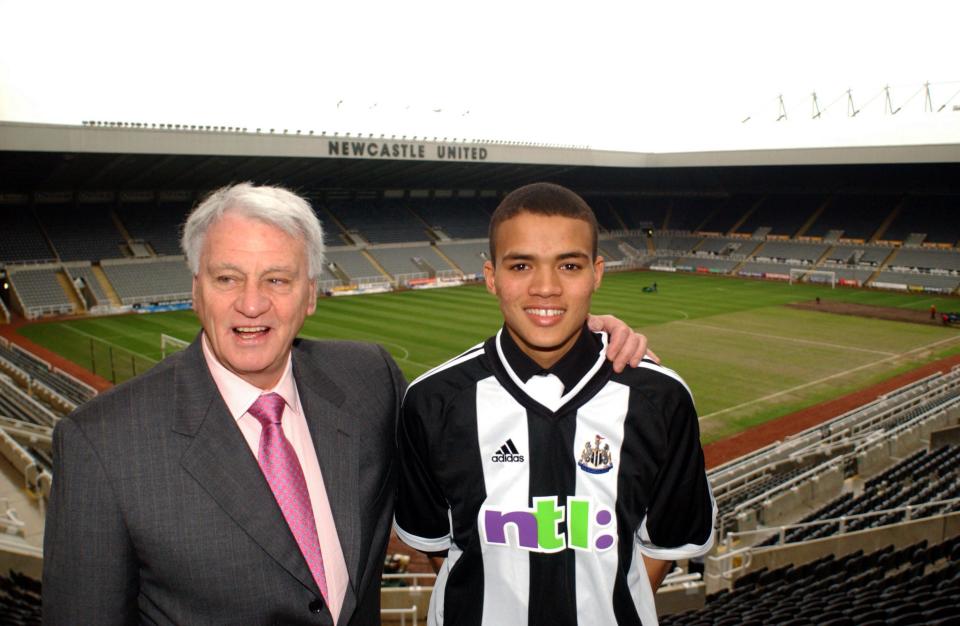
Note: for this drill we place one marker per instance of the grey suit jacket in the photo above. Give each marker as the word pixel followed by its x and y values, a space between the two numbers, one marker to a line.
pixel 159 512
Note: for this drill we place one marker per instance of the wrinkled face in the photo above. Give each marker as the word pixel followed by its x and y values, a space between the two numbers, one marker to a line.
pixel 544 278
pixel 252 295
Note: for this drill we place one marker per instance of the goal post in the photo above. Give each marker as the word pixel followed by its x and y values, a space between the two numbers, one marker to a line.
pixel 813 276
pixel 169 345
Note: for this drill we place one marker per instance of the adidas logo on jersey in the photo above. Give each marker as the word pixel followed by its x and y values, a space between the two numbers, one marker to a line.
pixel 507 453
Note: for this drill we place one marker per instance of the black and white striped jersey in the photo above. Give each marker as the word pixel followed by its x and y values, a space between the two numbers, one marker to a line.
pixel 547 497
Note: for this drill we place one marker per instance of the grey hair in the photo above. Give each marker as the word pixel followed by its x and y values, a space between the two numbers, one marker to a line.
pixel 275 206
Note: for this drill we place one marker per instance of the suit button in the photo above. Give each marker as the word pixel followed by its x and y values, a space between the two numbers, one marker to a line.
pixel 316 606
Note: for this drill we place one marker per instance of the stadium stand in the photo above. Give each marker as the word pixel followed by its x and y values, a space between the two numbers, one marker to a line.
pixel 607 217
pixel 386 220
pixel 21 239
pixel 783 214
pixel 673 242
pixel 142 281
pixel 926 260
pixel 456 217
pixel 921 479
pixel 689 212
pixel 407 259
pixel 610 251
pixel 468 255
pixel 791 252
pixel 38 292
pixel 726 216
pixel 641 212
pixel 25 437
pixel 91 288
pixel 17 404
pixel 925 215
pixel 915 584
pixel 19 600
pixel 849 275
pixel 622 249
pixel 855 515
pixel 762 488
pixel 701 263
pixel 858 255
pixel 155 223
pixel 858 216
pixel 727 247
pixel 352 262
pixel 917 281
pixel 19 363
pixel 765 269
pixel 81 232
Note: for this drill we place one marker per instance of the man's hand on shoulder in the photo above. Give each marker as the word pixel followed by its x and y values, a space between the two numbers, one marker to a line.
pixel 625 345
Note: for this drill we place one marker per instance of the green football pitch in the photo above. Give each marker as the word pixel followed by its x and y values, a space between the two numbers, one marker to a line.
pixel 746 357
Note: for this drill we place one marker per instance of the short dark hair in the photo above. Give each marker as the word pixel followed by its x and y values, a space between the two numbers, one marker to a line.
pixel 542 199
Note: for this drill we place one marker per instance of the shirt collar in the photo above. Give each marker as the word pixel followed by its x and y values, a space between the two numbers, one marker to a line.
pixel 571 367
pixel 238 394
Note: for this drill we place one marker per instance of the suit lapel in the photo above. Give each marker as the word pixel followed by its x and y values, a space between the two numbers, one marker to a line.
pixel 334 440
pixel 220 460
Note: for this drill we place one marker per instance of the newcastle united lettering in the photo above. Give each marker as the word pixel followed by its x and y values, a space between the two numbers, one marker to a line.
pixel 377 149
pixel 461 153
pixel 418 151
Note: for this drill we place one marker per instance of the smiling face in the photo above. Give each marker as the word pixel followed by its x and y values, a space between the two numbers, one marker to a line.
pixel 252 295
pixel 544 276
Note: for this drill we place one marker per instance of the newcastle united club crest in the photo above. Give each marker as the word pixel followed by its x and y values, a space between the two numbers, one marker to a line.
pixel 596 457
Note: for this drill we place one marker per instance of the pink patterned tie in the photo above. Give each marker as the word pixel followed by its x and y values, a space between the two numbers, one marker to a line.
pixel 282 471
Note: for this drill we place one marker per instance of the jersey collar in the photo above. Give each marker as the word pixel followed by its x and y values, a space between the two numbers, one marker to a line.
pixel 570 369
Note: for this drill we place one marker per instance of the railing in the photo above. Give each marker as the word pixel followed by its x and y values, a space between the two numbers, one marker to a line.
pixel 370 280
pixel 35 433
pixel 734 561
pixel 161 297
pixel 908 510
pixel 443 275
pixel 853 432
pixel 328 284
pixel 33 312
pixel 414 577
pixel 37 480
pixel 404 279
pixel 403 614
pixel 27 406
pixel 414 586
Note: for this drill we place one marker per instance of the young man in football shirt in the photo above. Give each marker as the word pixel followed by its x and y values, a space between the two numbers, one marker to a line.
pixel 560 489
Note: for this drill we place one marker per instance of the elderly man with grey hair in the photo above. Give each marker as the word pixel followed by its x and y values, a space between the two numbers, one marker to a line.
pixel 250 478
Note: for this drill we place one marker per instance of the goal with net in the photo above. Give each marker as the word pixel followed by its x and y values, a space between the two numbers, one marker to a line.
pixel 813 276
pixel 169 345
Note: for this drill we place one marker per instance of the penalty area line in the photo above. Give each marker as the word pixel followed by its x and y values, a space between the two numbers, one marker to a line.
pixel 825 379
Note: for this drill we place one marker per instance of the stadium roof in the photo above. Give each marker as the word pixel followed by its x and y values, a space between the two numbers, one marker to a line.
pixel 42 157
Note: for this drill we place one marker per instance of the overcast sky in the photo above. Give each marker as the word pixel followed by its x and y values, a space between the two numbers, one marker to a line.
pixel 669 75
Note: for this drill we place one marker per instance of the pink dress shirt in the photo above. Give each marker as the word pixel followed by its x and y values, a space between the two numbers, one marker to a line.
pixel 239 395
